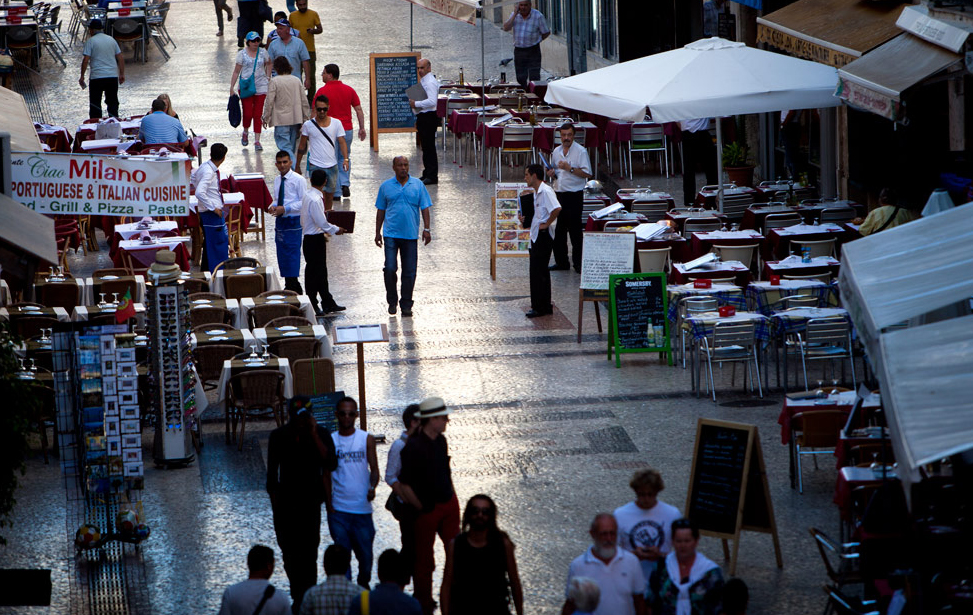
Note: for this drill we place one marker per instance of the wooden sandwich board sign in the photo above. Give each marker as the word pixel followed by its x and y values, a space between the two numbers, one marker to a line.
pixel 728 491
pixel 390 74
pixel 637 315
pixel 602 255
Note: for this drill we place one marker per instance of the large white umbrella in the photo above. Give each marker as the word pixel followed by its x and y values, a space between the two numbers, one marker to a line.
pixel 711 77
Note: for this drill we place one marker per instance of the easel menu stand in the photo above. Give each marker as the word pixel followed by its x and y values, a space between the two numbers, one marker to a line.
pixel 361 335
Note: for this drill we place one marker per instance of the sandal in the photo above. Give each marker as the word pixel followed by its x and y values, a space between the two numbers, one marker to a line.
pixel 244 140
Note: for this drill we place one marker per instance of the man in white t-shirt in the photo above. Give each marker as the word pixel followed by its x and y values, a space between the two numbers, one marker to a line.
pixel 321 136
pixel 353 489
pixel 616 571
pixel 243 598
pixel 645 525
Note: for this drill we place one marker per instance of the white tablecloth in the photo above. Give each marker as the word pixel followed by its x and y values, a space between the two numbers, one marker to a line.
pixel 248 339
pixel 229 198
pixel 283 366
pixel 80 313
pixel 230 304
pixel 133 245
pixel 320 333
pixel 271 281
pixel 808 229
pixel 60 313
pixel 127 231
pixel 89 290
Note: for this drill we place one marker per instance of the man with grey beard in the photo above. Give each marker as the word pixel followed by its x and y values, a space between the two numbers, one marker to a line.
pixel 617 572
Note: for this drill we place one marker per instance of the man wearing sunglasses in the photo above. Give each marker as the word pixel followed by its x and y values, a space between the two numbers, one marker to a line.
pixel 353 489
pixel 321 138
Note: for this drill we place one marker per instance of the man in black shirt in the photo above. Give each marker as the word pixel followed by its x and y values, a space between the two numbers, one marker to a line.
pixel 300 459
pixel 427 485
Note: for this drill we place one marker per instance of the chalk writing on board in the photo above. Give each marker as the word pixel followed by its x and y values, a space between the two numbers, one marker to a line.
pixel 717 483
pixel 639 311
pixel 393 75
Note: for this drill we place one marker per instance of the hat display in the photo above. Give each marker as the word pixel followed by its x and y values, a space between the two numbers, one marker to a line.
pixel 432 406
pixel 164 269
pixel 282 22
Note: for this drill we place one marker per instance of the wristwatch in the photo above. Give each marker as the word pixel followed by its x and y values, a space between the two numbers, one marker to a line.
pixel 425 230
pixel 571 171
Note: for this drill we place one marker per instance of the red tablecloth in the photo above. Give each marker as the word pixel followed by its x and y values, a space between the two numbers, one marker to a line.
pixel 145 257
pixel 442 100
pixel 779 246
pixel 849 478
pixel 255 192
pixel 680 219
pixel 59 139
pixel 537 88
pixel 703 243
pixel 769 270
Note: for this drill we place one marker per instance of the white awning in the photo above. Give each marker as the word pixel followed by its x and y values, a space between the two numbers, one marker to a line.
pixel 462 10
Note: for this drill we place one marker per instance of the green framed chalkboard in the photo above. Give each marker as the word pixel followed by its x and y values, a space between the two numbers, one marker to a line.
pixel 390 74
pixel 637 314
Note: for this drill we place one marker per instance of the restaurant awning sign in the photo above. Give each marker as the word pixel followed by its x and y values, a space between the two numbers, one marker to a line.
pixel 76 184
pixel 868 99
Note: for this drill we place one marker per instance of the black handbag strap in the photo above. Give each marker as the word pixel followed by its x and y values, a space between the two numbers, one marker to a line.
pixel 267 594
pixel 324 134
pixel 888 220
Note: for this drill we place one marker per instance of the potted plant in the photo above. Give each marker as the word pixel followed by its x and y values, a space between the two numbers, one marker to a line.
pixel 738 168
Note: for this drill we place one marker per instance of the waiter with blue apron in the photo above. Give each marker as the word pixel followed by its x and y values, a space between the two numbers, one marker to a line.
pixel 206 180
pixel 289 188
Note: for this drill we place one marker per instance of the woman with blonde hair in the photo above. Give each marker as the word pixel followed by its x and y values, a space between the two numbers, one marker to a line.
pixel 169 111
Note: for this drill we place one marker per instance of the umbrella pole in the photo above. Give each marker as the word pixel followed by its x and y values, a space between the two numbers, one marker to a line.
pixel 719 161
pixel 483 172
pixel 411 9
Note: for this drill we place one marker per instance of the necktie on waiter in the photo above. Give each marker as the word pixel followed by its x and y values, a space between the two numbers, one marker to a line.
pixel 280 192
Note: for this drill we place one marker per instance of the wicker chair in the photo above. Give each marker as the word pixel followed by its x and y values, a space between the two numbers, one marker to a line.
pixel 249 395
pixel 296 348
pixel 260 315
pixel 243 285
pixel 289 321
pixel 117 286
pixel 30 326
pixel 210 315
pixel 206 295
pixel 313 376
pixel 59 295
pixel 194 285
pixel 209 362
pixel 237 262
pixel 119 271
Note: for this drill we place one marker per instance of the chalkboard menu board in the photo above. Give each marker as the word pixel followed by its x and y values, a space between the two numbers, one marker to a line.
pixel 717 482
pixel 728 490
pixel 391 74
pixel 637 305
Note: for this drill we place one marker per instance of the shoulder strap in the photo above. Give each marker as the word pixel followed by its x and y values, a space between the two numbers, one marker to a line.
pixel 257 57
pixel 321 130
pixel 364 602
pixel 888 221
pixel 267 594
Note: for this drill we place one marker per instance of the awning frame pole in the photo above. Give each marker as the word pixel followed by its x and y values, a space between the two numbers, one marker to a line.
pixel 719 160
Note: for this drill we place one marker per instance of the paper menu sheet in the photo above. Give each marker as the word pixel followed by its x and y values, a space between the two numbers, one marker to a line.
pixel 358 333
pixel 607 211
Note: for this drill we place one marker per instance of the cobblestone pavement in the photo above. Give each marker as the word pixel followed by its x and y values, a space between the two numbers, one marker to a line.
pixel 545 425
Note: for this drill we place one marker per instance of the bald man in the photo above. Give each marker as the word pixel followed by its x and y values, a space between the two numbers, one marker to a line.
pixel 427 122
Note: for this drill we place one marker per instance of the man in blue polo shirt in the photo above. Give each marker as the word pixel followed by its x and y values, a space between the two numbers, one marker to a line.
pixel 401 200
pixel 160 127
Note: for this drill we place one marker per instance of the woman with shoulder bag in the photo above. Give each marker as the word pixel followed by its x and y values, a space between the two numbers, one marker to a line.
pixel 253 70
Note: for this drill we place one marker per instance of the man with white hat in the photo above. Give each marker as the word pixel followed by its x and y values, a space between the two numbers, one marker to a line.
pixel 427 484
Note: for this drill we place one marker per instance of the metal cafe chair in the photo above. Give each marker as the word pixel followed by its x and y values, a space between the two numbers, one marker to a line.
pixel 732 342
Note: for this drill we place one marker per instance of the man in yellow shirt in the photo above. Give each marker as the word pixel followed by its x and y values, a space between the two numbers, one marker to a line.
pixel 307 23
pixel 888 214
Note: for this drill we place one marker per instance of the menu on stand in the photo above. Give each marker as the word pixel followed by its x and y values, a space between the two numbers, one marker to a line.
pixel 604 254
pixel 637 314
pixel 391 75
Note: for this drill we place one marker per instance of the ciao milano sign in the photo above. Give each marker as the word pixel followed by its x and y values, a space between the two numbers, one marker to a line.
pixel 100 185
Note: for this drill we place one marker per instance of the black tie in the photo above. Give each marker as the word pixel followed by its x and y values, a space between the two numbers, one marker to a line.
pixel 280 193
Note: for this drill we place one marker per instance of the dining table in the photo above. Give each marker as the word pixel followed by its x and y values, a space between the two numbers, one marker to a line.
pixel 271 279
pixel 83 313
pixel 232 367
pixel 779 239
pixel 143 252
pixel 726 294
pixel 92 288
pixel 57 138
pixel 222 334
pixel 702 325
pixel 794 266
pixel 10 312
pixel 703 241
pixel 766 298
pixel 721 269
pixel 231 305
pixel 268 335
pixel 43 279
pixel 301 302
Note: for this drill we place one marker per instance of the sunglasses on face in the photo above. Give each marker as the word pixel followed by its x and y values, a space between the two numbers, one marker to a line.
pixel 321 108
pixel 346 413
pixel 477 510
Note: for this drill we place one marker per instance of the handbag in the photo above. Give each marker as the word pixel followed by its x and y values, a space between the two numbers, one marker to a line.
pixel 394 506
pixel 234 111
pixel 248 85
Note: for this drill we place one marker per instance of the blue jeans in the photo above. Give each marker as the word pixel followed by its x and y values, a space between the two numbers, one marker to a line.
pixel 410 256
pixel 286 138
pixel 355 532
pixel 332 184
pixel 344 177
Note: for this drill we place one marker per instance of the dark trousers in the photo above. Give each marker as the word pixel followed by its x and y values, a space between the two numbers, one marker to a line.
pixel 527 63
pixel 107 86
pixel 293 284
pixel 569 224
pixel 697 147
pixel 248 19
pixel 408 249
pixel 407 527
pixel 540 276
pixel 312 66
pixel 220 8
pixel 298 527
pixel 316 270
pixel 426 125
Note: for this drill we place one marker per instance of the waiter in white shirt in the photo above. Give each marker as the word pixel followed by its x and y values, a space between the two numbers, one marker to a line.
pixel 546 210
pixel 571 165
pixel 206 181
pixel 697 147
pixel 289 188
pixel 427 122
pixel 315 224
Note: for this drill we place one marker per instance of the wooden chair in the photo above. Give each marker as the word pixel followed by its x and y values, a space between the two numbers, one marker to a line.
pixel 260 315
pixel 234 225
pixel 195 285
pixel 313 376
pixel 209 360
pixel 87 231
pixel 251 394
pixel 134 266
pixel 815 429
pixel 240 286
pixel 282 293
pixel 109 287
pixel 289 321
pixel 205 295
pixel 30 326
pixel 59 295
pixel 119 271
pixel 209 315
pixel 296 348
pixel 237 262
